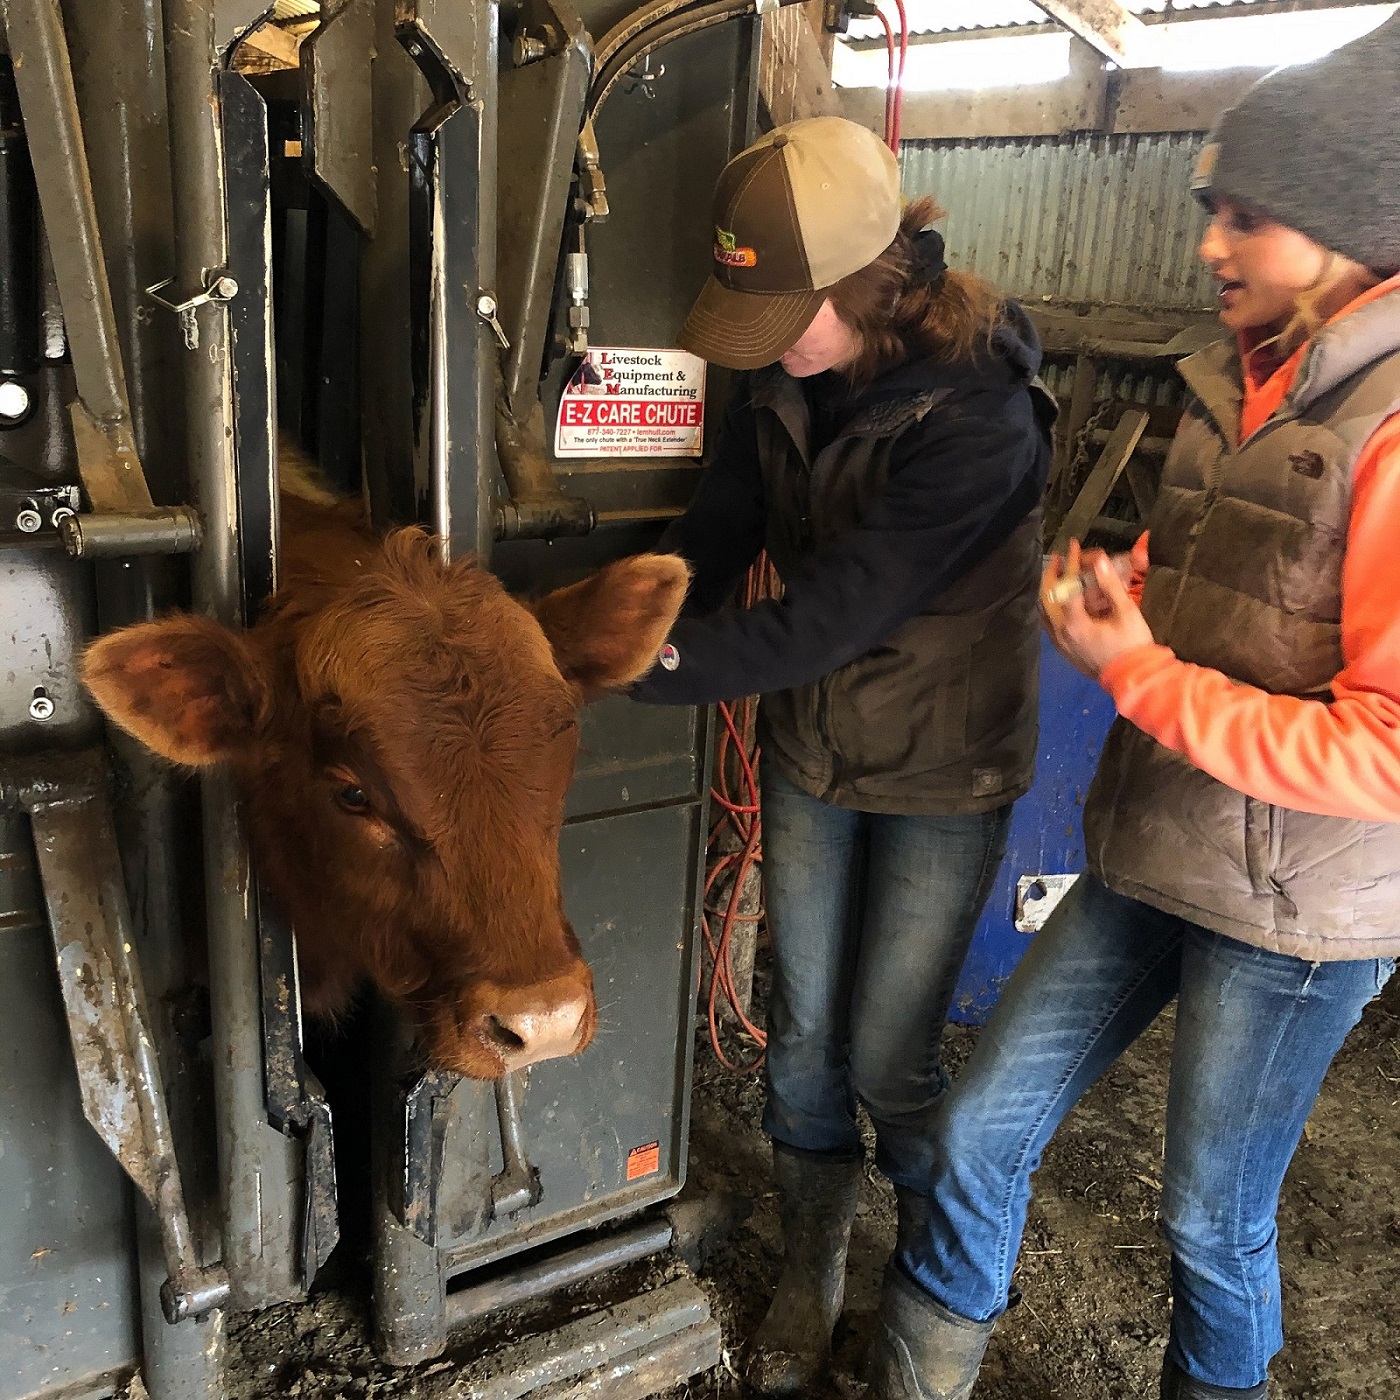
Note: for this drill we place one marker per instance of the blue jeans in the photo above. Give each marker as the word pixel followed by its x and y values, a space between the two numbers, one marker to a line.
pixel 1255 1033
pixel 869 916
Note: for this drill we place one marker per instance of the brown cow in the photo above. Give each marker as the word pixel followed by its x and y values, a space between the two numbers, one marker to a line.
pixel 403 733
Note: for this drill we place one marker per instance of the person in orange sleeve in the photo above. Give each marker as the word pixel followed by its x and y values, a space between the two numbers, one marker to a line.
pixel 1243 829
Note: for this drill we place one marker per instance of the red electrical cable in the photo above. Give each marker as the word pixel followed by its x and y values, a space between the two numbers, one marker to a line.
pixel 889 79
pixel 897 106
pixel 736 760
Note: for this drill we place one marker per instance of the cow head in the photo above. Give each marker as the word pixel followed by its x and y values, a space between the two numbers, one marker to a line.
pixel 403 738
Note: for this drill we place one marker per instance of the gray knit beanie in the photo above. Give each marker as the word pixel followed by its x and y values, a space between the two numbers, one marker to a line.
pixel 1317 147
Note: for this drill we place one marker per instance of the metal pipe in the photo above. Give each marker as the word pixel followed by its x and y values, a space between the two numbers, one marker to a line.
pixel 548 518
pixel 122 99
pixel 538 508
pixel 518 1184
pixel 19 236
pixel 104 536
pixel 210 1290
pixel 628 1349
pixel 559 1270
pixel 258 1167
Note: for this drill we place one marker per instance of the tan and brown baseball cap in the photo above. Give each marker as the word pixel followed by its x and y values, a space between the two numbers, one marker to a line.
pixel 809 204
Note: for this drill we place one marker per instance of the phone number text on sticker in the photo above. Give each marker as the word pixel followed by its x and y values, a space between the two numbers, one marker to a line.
pixel 633 402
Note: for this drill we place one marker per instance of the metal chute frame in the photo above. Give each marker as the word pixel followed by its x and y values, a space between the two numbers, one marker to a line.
pixel 113 876
pixel 187 325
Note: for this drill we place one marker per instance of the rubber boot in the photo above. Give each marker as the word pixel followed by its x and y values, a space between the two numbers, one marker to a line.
pixel 921 1350
pixel 911 1219
pixel 1177 1385
pixel 791 1352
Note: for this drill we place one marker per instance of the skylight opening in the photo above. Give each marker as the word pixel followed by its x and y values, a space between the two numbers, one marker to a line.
pixel 1259 41
pixel 961 65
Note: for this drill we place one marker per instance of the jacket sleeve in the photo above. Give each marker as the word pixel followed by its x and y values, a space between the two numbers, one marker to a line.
pixel 1340 758
pixel 722 530
pixel 960 483
pixel 1139 554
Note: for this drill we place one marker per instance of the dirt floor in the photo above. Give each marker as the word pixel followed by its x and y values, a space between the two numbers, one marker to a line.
pixel 1093 1272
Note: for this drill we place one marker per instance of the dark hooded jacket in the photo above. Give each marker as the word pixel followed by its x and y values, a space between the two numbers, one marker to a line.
pixel 899 668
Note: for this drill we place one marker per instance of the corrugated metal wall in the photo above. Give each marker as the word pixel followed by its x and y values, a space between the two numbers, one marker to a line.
pixel 1083 218
pixel 1148 385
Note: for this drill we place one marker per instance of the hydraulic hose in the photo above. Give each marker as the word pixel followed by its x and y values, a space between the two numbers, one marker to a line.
pixel 631 26
pixel 674 26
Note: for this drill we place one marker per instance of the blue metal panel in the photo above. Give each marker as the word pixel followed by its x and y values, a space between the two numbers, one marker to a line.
pixel 1046 835
pixel 68 1305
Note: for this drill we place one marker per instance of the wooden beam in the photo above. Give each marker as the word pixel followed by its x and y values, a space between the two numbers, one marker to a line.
pixel 1037 109
pixel 1144 100
pixel 826 38
pixel 1081 407
pixel 267 48
pixel 1104 477
pixel 1123 334
pixel 1149 448
pixel 1153 99
pixel 794 80
pixel 1105 25
pixel 1143 484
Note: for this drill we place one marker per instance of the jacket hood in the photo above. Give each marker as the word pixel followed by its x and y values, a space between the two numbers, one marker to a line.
pixel 1017 342
pixel 1015 347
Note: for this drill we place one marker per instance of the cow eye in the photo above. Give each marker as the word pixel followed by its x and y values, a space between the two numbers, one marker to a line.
pixel 352 799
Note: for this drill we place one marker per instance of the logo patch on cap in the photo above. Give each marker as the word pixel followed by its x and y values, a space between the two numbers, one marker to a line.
pixel 729 253
pixel 669 658
pixel 1205 166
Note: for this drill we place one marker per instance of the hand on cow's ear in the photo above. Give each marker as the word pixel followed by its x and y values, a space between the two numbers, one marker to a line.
pixel 187 687
pixel 607 630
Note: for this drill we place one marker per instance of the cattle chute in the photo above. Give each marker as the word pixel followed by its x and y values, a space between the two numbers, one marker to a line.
pixel 395 243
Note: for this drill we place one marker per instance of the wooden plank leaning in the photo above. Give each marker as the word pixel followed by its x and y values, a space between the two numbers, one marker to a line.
pixel 1096 490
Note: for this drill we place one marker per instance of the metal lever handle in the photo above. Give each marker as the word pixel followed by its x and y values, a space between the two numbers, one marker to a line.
pixel 518 1184
pixel 65 798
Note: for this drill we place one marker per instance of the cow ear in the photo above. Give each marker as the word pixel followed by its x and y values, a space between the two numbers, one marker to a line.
pixel 187 687
pixel 607 630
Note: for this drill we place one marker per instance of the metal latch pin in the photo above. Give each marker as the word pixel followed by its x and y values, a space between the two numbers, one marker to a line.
pixel 220 288
pixel 486 309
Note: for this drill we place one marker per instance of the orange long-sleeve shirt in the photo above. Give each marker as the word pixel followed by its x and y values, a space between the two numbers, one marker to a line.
pixel 1339 758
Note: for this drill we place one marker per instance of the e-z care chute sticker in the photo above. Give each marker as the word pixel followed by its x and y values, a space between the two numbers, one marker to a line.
pixel 623 402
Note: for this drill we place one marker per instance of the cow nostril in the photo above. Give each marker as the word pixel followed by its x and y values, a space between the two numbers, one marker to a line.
pixel 501 1035
pixel 530 1024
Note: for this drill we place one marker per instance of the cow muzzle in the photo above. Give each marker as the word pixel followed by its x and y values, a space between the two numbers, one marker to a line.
pixel 507 1028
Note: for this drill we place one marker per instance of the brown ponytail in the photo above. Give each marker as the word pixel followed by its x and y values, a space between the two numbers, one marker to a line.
pixel 897 319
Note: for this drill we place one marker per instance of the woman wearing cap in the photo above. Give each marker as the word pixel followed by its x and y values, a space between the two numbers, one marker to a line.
pixel 889 450
pixel 1243 831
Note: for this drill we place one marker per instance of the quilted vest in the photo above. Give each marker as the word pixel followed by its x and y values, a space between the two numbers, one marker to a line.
pixel 1246 549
